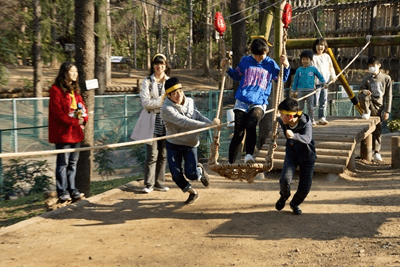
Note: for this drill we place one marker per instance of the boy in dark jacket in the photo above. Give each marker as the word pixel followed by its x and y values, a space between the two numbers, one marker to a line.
pixel 300 152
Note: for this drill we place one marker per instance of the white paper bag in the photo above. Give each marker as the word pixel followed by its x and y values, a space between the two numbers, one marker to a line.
pixel 144 127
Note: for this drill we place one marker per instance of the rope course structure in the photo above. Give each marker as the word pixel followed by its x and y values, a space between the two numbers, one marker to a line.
pixel 248 171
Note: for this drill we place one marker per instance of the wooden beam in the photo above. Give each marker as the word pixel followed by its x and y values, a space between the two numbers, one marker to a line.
pixel 343 42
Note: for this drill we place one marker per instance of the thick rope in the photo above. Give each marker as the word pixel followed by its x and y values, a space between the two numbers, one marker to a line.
pixel 214 147
pixel 269 158
pixel 69 150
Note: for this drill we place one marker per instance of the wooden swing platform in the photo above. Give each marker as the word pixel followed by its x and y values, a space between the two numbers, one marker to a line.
pixel 335 144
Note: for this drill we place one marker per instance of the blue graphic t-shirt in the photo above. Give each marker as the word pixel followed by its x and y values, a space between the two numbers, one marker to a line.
pixel 255 79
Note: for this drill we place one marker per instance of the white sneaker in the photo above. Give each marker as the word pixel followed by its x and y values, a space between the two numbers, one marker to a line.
pixel 161 189
pixel 249 159
pixel 147 190
pixel 313 122
pixel 377 157
pixel 323 121
pixel 366 115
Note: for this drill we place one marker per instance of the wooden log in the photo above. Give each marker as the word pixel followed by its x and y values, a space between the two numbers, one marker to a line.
pixel 366 148
pixel 396 152
pixel 318 167
pixel 351 165
pixel 342 42
pixel 320 158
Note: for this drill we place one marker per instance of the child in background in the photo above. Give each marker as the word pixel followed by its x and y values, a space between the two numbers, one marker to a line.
pixel 300 151
pixel 255 74
pixel 304 82
pixel 375 98
pixel 322 61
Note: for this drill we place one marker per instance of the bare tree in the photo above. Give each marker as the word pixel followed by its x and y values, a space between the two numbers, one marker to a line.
pixel 207 38
pixel 146 34
pixel 101 44
pixel 37 66
pixel 85 60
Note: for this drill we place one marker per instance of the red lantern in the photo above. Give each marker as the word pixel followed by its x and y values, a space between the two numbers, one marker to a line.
pixel 287 15
pixel 219 23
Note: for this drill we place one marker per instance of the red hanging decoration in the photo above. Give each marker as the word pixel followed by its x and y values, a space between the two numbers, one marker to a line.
pixel 219 23
pixel 287 15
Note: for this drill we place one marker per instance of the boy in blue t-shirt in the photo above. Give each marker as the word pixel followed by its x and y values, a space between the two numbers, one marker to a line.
pixel 304 80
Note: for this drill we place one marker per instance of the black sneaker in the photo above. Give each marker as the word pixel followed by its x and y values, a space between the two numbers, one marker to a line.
pixel 205 178
pixel 192 198
pixel 65 197
pixel 296 210
pixel 77 195
pixel 280 204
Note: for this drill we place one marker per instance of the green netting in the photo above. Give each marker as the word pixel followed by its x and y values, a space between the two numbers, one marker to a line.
pixel 116 115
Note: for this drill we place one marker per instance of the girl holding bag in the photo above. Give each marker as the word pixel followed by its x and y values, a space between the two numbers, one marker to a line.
pixel 151 97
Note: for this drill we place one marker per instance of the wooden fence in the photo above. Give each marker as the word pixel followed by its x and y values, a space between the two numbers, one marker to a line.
pixel 357 19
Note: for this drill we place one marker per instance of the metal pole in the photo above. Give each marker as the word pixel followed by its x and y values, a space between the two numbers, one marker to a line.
pixel 126 117
pixel 15 125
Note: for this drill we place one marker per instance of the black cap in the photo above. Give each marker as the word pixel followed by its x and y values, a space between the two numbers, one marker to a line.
pixel 172 84
pixel 307 53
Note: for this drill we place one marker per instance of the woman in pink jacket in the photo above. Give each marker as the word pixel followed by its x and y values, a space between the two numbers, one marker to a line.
pixel 67 117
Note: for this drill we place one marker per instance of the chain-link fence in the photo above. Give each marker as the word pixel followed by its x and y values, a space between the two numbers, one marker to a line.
pixel 24 120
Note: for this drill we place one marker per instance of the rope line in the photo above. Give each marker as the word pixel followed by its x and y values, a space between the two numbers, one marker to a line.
pixel 68 150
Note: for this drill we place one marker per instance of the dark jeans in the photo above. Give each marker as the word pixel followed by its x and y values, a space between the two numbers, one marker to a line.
pixel 66 169
pixel 305 181
pixel 154 171
pixel 175 155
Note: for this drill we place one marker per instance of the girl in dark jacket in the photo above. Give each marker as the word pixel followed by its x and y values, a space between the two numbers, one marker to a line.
pixel 67 117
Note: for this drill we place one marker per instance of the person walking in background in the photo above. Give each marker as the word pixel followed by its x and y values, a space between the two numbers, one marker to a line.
pixel 255 74
pixel 67 116
pixel 151 94
pixel 181 115
pixel 322 61
pixel 304 82
pixel 375 98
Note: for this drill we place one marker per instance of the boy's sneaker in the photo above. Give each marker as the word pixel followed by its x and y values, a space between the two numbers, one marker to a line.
pixel 65 197
pixel 280 204
pixel 161 189
pixel 377 157
pixel 249 159
pixel 313 122
pixel 147 189
pixel 77 195
pixel 366 115
pixel 204 178
pixel 296 209
pixel 323 121
pixel 192 198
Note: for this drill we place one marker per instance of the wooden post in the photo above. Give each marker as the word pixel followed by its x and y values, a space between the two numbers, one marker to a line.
pixel 366 148
pixel 396 152
pixel 351 166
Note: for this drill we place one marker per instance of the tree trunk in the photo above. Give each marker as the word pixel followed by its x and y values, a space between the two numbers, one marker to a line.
pixel 238 34
pixel 160 30
pixel 108 50
pixel 54 63
pixel 207 72
pixel 146 35
pixel 37 68
pixel 101 44
pixel 85 60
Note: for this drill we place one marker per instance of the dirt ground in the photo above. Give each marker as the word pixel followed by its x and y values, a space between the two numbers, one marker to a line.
pixel 348 220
